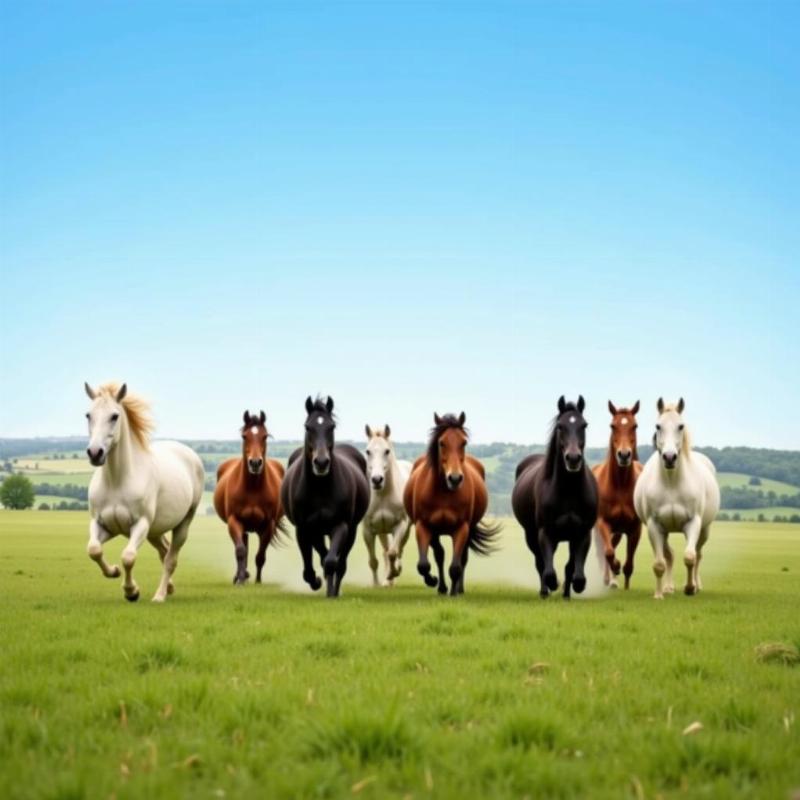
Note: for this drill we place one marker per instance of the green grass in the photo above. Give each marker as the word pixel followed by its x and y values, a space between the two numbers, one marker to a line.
pixel 264 691
pixel 737 480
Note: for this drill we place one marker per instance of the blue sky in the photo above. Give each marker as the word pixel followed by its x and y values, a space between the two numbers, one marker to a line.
pixel 408 206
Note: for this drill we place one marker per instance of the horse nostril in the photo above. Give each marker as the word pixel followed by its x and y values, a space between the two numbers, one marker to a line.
pixel 377 481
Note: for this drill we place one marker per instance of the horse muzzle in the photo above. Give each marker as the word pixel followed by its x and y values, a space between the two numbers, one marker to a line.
pixel 670 460
pixel 320 466
pixel 377 482
pixel 624 458
pixel 255 466
pixel 454 481
pixel 573 462
pixel 97 456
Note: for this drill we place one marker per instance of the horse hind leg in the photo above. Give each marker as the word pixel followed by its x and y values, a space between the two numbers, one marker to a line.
pixel 533 546
pixel 387 569
pixel 399 538
pixel 179 536
pixel 580 550
pixel 633 542
pixel 162 547
pixel 369 541
pixel 264 538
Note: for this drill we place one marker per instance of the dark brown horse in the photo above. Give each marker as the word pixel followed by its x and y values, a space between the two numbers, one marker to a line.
pixel 248 496
pixel 446 495
pixel 616 478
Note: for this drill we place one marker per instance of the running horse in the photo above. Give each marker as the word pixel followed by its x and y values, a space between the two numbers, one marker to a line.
pixel 247 497
pixel 555 500
pixel 326 494
pixel 446 495
pixel 616 478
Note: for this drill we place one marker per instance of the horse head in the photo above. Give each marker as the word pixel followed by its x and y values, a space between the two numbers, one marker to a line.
pixel 623 433
pixel 570 432
pixel 447 448
pixel 671 437
pixel 379 455
pixel 104 421
pixel 320 425
pixel 254 442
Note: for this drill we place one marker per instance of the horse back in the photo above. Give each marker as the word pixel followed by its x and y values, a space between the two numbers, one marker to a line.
pixel 477 465
pixel 225 467
pixel 354 454
pixel 526 462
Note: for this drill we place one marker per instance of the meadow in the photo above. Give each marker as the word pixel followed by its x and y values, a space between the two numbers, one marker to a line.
pixel 274 691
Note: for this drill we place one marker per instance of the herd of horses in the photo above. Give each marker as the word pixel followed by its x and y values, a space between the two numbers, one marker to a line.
pixel 142 490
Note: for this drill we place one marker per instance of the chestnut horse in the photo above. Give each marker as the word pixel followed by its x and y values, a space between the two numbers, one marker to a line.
pixel 446 495
pixel 616 478
pixel 247 496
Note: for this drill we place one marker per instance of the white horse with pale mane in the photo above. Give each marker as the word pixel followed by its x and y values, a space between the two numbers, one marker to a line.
pixel 386 517
pixel 676 492
pixel 141 489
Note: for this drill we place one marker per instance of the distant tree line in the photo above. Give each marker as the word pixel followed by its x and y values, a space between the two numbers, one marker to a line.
pixel 65 490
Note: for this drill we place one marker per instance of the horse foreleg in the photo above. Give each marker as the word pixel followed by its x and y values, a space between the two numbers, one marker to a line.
pixel 344 551
pixel 438 554
pixel 612 563
pixel 423 543
pixel 162 548
pixel 304 543
pixel 548 551
pixel 579 549
pixel 460 539
pixel 179 535
pixel 138 534
pixel 330 563
pixel 264 538
pixel 634 536
pixel 238 537
pixel 387 570
pixel 692 530
pixel 98 536
pixel 464 560
pixel 369 541
pixel 658 541
pixel 402 530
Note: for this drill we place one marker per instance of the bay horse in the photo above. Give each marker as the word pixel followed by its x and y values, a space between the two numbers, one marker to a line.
pixel 247 497
pixel 386 517
pixel 677 491
pixel 325 493
pixel 141 489
pixel 616 477
pixel 446 495
pixel 555 500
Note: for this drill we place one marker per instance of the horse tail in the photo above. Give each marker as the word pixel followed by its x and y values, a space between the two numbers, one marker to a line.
pixel 483 537
pixel 282 534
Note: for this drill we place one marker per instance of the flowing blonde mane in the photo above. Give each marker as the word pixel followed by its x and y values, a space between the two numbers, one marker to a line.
pixel 136 410
pixel 687 437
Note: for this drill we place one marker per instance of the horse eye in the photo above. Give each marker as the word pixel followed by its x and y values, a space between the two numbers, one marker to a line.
pixel 369 453
pixel 386 452
pixel 680 427
pixel 88 415
pixel 114 417
pixel 658 427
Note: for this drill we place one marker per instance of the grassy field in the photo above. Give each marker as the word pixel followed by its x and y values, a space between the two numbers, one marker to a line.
pixel 272 691
pixel 739 480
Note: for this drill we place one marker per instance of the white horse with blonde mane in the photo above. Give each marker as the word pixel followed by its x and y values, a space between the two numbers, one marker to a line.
pixel 386 517
pixel 676 492
pixel 141 489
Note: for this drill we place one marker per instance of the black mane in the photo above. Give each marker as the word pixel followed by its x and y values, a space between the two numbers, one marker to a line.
pixel 446 422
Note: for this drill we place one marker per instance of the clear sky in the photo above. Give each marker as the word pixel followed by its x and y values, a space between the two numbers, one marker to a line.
pixel 408 206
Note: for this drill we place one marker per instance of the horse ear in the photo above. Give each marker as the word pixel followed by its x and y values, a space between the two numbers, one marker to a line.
pixel 462 418
pixel 681 406
pixel 329 404
pixel 613 409
pixel 635 408
pixel 368 431
pixel 91 392
pixel 246 418
pixel 437 419
pixel 309 404
pixel 123 390
pixel 660 405
pixel 581 404
pixel 386 431
pixel 562 404
pixel 262 417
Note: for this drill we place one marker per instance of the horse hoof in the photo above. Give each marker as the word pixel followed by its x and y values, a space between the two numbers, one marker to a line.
pixel 613 585
pixel 658 596
pixel 551 581
pixel 544 593
pixel 442 588
pixel 316 583
pixel 579 584
pixel 170 588
pixel 689 590
pixel 115 572
pixel 132 598
pixel 430 580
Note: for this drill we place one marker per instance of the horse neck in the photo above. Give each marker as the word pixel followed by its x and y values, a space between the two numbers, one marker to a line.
pixel 393 473
pixel 551 457
pixel 123 455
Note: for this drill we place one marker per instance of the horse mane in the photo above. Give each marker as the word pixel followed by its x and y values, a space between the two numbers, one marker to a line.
pixel 687 437
pixel 552 447
pixel 445 423
pixel 320 407
pixel 137 411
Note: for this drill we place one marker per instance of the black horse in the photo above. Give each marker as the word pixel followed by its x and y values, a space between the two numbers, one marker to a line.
pixel 555 500
pixel 325 493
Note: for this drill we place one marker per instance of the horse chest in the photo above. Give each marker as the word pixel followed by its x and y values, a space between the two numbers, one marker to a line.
pixel 444 519
pixel 116 518
pixel 384 519
pixel 673 515
pixel 252 515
